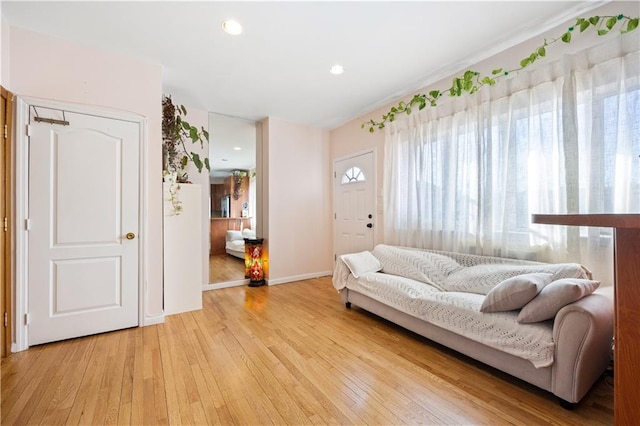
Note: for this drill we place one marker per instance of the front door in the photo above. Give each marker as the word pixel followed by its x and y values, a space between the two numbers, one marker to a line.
pixel 354 188
pixel 83 225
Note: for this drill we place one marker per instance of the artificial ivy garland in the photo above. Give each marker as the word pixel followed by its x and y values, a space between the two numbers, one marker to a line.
pixel 471 81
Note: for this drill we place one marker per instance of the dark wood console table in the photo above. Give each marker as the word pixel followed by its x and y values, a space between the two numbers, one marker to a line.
pixel 626 254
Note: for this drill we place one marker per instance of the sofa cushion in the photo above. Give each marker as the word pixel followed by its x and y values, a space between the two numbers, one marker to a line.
pixel 419 265
pixel 361 263
pixel 482 278
pixel 554 296
pixel 514 293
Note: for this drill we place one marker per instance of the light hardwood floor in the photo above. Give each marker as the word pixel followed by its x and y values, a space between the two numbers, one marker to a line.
pixel 287 354
pixel 224 267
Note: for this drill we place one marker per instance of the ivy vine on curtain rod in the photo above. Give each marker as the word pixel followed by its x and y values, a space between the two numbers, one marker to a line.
pixel 471 81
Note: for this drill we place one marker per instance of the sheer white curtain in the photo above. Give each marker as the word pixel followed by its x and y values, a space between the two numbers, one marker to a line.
pixel 564 138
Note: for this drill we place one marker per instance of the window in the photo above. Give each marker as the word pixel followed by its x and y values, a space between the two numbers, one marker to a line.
pixel 470 178
pixel 353 174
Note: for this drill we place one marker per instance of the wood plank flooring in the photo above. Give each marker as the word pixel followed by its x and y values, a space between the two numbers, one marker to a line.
pixel 287 354
pixel 224 267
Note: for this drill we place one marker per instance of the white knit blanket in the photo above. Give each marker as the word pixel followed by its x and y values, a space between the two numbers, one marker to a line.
pixel 459 313
pixel 449 295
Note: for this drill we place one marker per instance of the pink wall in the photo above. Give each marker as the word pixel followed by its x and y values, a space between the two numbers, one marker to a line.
pixel 46 67
pixel 299 229
pixel 350 138
pixel 4 53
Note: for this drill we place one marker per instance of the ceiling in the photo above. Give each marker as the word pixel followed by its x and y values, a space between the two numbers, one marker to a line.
pixel 279 66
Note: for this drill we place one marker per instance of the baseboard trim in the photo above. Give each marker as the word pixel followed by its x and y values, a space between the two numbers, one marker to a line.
pixel 237 283
pixel 286 280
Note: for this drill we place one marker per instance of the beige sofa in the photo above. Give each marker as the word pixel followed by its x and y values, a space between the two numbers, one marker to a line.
pixel 564 355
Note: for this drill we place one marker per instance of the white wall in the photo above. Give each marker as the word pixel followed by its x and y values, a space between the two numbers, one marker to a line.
pixel 200 119
pixel 46 67
pixel 298 225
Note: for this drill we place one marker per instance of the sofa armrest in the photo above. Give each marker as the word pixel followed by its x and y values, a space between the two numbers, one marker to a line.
pixel 583 334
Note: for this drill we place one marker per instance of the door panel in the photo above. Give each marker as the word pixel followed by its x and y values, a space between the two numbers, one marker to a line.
pixel 83 200
pixel 354 203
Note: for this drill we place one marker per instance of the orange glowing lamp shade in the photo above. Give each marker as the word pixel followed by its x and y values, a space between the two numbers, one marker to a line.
pixel 253 267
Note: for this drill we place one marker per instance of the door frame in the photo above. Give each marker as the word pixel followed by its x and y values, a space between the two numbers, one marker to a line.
pixel 23 105
pixel 6 271
pixel 372 151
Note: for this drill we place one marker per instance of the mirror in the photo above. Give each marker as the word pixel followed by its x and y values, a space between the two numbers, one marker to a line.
pixel 232 155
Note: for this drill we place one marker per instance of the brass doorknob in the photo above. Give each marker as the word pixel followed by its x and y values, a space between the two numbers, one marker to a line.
pixel 130 236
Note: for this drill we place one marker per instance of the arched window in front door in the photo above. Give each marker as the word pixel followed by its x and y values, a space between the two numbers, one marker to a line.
pixel 353 174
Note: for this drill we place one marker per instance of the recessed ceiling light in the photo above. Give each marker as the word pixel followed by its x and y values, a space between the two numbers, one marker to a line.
pixel 237 148
pixel 232 27
pixel 336 69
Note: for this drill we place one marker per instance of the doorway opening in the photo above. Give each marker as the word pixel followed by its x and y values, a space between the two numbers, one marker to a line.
pixel 233 199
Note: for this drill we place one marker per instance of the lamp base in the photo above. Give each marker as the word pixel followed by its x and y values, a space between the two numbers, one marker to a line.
pixel 256 283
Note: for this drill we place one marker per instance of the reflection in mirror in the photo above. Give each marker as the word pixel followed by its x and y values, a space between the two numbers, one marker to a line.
pixel 232 155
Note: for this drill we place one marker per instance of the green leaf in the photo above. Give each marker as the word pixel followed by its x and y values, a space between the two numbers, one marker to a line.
pixel 408 110
pixel 488 80
pixel 193 134
pixel 468 85
pixel 434 94
pixel 185 125
pixel 362 126
pixel 584 25
pixel 196 161
pixel 496 71
pixel 183 110
pixel 594 20
pixel 183 161
pixel 392 118
pixel 525 62
pixel 611 22
pixel 542 52
pixel 206 163
pixel 394 109
pixel 371 130
pixel 632 24
pixel 602 32
pixel 422 105
pixel 205 134
pixel 566 37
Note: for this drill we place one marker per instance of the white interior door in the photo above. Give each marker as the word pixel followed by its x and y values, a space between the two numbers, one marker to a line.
pixel 83 201
pixel 354 189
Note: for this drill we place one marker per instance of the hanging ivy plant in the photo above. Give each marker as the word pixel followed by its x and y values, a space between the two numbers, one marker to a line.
pixel 176 131
pixel 471 81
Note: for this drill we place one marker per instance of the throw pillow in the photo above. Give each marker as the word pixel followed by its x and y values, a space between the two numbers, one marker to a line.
pixel 554 296
pixel 361 263
pixel 514 293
